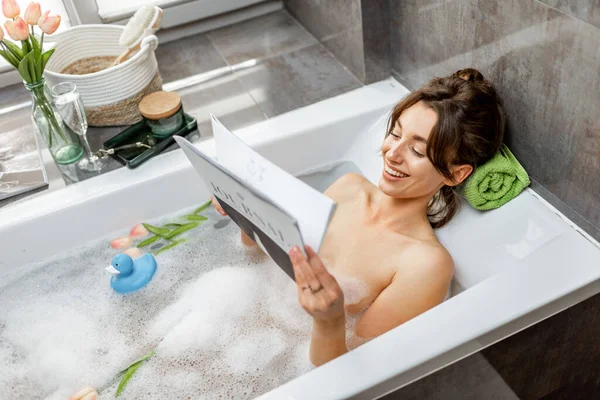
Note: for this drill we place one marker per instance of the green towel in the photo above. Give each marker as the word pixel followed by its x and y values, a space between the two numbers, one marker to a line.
pixel 496 182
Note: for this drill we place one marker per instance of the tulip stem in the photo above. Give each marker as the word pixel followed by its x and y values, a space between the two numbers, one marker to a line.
pixel 41 42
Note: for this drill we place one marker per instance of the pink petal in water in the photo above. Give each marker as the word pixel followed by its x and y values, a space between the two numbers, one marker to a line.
pixel 139 231
pixel 121 243
pixel 134 252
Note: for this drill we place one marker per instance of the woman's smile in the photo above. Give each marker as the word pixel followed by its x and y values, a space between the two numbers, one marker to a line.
pixel 392 174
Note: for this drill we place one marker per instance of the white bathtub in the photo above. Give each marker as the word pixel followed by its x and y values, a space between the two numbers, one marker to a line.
pixel 514 266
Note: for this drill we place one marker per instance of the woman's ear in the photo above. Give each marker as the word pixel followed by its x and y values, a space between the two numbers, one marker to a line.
pixel 459 174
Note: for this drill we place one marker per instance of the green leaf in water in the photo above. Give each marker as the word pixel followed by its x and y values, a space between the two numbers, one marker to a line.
pixel 148 241
pixel 193 217
pixel 128 372
pixel 181 229
pixel 172 225
pixel 203 207
pixel 138 361
pixel 163 232
pixel 169 246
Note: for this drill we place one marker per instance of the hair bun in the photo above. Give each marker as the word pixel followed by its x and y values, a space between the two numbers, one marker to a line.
pixel 469 75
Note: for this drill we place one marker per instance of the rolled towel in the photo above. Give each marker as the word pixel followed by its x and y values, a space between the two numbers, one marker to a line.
pixel 496 182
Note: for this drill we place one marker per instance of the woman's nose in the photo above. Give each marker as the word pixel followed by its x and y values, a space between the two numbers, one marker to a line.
pixel 396 152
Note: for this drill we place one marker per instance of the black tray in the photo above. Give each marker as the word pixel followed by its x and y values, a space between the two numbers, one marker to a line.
pixel 137 133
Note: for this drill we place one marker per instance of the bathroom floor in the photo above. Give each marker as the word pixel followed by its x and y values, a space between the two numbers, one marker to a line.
pixel 243 73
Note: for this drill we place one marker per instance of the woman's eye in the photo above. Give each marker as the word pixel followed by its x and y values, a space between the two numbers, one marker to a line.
pixel 397 136
pixel 417 153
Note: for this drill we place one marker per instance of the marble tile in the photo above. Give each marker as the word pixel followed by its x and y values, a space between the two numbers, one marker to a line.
pixel 338 25
pixel 545 67
pixel 470 378
pixel 347 47
pixel 544 64
pixel 225 97
pixel 324 18
pixel 558 355
pixel 430 37
pixel 296 79
pixel 186 57
pixel 376 39
pixel 585 10
pixel 259 38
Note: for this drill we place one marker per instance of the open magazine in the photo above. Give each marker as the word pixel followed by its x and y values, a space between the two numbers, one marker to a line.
pixel 274 208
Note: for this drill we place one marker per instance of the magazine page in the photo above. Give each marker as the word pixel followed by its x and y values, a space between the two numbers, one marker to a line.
pixel 258 216
pixel 311 208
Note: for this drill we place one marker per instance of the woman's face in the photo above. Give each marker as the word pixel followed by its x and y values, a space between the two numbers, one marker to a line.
pixel 407 171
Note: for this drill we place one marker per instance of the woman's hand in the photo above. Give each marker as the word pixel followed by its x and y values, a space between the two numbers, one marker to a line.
pixel 218 207
pixel 318 291
pixel 246 240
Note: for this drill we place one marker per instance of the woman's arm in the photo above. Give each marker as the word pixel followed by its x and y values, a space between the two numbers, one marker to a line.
pixel 321 296
pixel 411 292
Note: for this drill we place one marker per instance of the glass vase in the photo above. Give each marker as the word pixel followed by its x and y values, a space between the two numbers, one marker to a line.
pixel 63 144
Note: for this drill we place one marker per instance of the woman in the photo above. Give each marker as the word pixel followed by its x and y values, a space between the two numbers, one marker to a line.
pixel 380 263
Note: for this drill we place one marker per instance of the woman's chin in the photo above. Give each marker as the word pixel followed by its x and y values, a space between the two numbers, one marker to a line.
pixel 388 188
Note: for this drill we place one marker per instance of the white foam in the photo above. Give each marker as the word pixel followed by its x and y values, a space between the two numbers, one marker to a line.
pixel 223 325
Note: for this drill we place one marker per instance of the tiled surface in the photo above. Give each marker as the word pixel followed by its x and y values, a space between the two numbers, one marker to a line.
pixel 347 47
pixel 555 359
pixel 292 71
pixel 261 37
pixel 326 18
pixel 186 57
pixel 296 79
pixel 585 10
pixel 376 39
pixel 338 25
pixel 545 66
pixel 226 98
pixel 470 378
pixel 427 39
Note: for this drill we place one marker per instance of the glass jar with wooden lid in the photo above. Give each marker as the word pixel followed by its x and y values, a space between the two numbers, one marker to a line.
pixel 163 113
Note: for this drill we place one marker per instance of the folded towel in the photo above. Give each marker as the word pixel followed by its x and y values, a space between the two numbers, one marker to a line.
pixel 496 182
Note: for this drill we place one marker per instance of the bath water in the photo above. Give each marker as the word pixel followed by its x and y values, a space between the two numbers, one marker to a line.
pixel 224 320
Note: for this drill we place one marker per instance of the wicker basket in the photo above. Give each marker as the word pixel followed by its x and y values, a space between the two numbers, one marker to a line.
pixel 111 95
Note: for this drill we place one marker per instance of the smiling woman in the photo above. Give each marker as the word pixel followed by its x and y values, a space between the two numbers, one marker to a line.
pixel 383 236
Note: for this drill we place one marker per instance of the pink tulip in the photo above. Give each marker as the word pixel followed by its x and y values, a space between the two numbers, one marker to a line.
pixel 138 231
pixel 121 243
pixel 33 13
pixel 17 29
pixel 133 252
pixel 1 33
pixel 87 393
pixel 10 8
pixel 48 24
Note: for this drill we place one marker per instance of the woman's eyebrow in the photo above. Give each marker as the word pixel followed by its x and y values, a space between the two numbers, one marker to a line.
pixel 415 137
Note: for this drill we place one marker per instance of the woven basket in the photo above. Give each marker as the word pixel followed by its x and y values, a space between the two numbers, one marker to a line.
pixel 111 95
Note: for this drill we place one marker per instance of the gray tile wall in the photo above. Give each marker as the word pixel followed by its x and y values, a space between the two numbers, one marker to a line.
pixel 354 31
pixel 544 59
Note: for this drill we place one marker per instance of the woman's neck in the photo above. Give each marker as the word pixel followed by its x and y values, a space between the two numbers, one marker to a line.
pixel 400 215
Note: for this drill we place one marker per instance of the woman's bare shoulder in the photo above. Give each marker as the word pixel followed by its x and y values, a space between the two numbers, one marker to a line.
pixel 346 185
pixel 432 258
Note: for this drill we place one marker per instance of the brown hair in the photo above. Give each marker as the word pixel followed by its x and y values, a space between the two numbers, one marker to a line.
pixel 469 130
